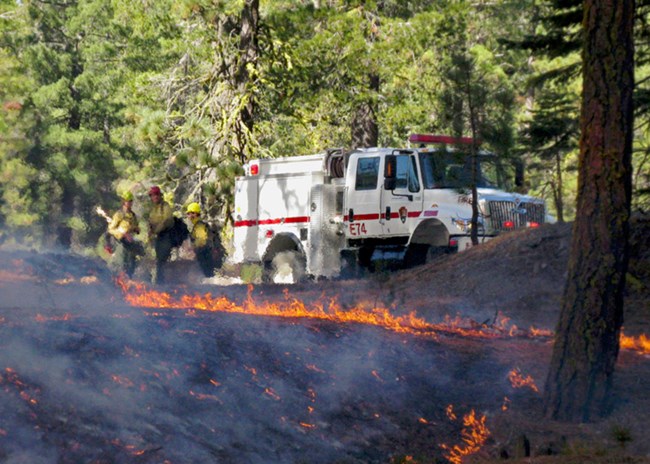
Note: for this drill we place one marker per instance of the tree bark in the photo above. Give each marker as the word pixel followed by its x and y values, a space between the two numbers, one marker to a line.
pixel 249 53
pixel 365 131
pixel 587 340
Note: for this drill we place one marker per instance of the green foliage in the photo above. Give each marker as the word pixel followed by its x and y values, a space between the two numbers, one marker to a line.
pixel 105 93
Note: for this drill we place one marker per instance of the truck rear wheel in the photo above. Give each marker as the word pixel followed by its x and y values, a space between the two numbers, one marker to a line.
pixel 286 267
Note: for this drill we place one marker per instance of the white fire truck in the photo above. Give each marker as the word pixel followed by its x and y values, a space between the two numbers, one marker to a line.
pixel 334 213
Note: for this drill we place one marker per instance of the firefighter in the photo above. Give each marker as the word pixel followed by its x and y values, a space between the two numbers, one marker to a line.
pixel 202 240
pixel 123 227
pixel 161 222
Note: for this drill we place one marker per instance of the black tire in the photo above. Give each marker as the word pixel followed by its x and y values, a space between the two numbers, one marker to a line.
pixel 418 254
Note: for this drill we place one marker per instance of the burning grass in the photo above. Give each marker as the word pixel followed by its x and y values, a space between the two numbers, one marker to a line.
pixel 138 294
pixel 176 377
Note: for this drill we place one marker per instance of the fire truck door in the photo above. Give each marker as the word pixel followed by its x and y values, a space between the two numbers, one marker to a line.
pixel 402 205
pixel 363 196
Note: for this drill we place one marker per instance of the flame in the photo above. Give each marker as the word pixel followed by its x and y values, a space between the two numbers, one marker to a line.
pixel 204 396
pixel 506 403
pixel 519 381
pixel 269 391
pixel 123 381
pixel 474 435
pixel 640 344
pixel 137 294
pixel 314 368
pixel 25 391
pixel 86 280
pixel 450 412
pixel 63 317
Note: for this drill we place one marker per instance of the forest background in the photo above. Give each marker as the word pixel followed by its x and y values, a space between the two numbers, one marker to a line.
pixel 102 96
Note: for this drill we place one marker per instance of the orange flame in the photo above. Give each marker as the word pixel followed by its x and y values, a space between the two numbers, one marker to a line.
pixel 506 403
pixel 519 381
pixel 63 317
pixel 474 435
pixel 450 412
pixel 640 344
pixel 204 396
pixel 12 377
pixel 137 294
pixel 269 391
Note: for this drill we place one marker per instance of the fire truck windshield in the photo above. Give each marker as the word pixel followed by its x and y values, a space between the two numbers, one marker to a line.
pixel 453 169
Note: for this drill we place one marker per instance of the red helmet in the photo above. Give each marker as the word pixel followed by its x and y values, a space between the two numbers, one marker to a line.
pixel 154 190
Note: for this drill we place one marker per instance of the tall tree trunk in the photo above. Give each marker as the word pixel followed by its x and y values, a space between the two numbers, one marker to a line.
pixel 557 189
pixel 365 131
pixel 587 340
pixel 249 53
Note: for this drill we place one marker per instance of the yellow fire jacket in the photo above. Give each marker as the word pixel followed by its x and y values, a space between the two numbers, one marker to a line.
pixel 200 234
pixel 123 223
pixel 160 218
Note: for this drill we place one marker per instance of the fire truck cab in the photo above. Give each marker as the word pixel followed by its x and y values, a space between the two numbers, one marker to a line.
pixel 336 212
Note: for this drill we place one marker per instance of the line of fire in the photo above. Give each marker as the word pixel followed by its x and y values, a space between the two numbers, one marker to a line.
pixel 170 375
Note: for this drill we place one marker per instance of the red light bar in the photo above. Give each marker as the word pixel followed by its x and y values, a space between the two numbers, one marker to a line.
pixel 448 139
pixel 508 224
pixel 255 169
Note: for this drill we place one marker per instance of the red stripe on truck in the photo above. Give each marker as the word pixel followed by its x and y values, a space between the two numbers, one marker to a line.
pixel 266 222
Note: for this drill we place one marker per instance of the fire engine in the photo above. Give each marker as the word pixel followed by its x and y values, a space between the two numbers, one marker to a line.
pixel 336 212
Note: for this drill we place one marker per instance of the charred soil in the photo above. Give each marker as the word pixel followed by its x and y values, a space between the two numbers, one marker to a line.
pixel 86 376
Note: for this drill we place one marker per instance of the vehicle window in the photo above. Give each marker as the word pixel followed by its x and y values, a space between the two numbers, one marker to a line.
pixel 429 177
pixel 414 182
pixel 407 174
pixel 367 173
pixel 454 170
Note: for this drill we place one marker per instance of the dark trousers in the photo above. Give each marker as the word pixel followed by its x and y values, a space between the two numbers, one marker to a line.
pixel 205 258
pixel 131 251
pixel 163 248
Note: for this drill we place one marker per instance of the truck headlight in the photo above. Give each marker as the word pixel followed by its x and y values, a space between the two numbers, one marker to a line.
pixel 463 224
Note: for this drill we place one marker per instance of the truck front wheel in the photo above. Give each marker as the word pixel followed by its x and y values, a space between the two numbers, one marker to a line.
pixel 420 253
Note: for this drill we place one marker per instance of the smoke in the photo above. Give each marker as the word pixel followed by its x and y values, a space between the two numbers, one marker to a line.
pixel 86 378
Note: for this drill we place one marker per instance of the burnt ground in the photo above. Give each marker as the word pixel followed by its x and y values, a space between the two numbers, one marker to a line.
pixel 87 377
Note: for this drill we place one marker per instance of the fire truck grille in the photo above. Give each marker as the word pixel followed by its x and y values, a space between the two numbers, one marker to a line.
pixel 507 215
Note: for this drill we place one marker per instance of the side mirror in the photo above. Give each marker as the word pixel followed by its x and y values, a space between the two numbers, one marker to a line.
pixel 390 167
